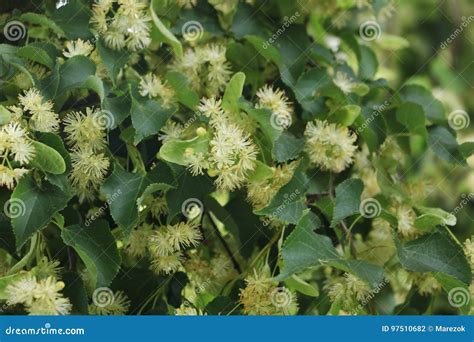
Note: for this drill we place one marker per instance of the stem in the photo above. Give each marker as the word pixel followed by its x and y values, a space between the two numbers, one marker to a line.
pixel 26 259
pixel 226 246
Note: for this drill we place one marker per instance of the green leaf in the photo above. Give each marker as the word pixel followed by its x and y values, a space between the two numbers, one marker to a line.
pixel 182 87
pixel 287 147
pixel 436 252
pixel 432 217
pixel 35 54
pixel 296 283
pixel 36 204
pixel 392 42
pixel 417 94
pixel 5 115
pixel 41 20
pixel 444 144
pixel 122 189
pixel 288 204
pixel 268 51
pixel 47 159
pixel 73 18
pixel 233 92
pixel 261 172
pixel 97 248
pixel 95 83
pixel 412 116
pixel 173 150
pixel 367 63
pixel 114 60
pixel 347 199
pixel 304 248
pixel 309 88
pixel 75 72
pixel 119 107
pixel 165 35
pixel 453 288
pixel 345 115
pixel 148 118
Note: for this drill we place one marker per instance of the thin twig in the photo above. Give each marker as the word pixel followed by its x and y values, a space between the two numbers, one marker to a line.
pixel 226 246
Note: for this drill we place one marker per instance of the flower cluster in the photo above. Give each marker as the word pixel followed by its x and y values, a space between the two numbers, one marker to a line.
pixel 329 146
pixel 15 150
pixel 43 118
pixel 127 26
pixel 277 102
pixel 39 290
pixel 261 296
pixel 348 291
pixel 232 153
pixel 86 136
pixel 167 243
pixel 152 86
pixel 77 48
pixel 206 67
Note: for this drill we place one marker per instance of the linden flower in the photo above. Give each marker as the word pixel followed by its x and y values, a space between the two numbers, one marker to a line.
pixel 85 130
pixel 277 102
pixel 167 264
pixel 8 177
pixel 469 250
pixel 21 291
pixel 196 161
pixel 183 234
pixel 152 86
pixel 77 48
pixel 344 82
pixel 206 67
pixel 171 130
pixel 262 297
pixel 14 142
pixel 260 193
pixel 88 169
pixel 118 307
pixel 406 221
pixel 137 245
pixel 185 310
pixel 329 146
pixel 43 119
pixel 40 297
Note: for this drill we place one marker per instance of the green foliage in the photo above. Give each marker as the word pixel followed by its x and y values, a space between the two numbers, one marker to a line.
pixel 211 147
